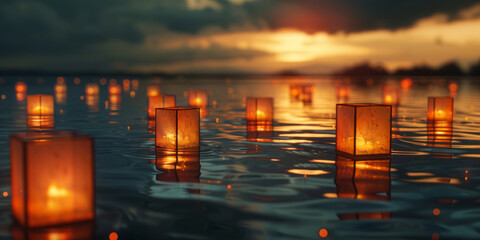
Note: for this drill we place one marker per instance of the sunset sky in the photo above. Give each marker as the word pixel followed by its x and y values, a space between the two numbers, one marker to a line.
pixel 250 36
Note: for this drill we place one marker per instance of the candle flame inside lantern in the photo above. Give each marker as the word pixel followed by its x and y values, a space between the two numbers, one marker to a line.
pixel 53 191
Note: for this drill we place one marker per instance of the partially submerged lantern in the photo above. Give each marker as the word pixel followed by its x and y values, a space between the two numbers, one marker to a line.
pixel 391 95
pixel 178 167
pixel 161 101
pixel 259 110
pixel 364 130
pixel 153 91
pixel 52 177
pixel 177 129
pixel 366 179
pixel 40 110
pixel 198 98
pixel 440 109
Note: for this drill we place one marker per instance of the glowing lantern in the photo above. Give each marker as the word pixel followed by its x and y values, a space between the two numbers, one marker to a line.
pixel 365 179
pixel 135 84
pixel 295 91
pixel 259 131
pixel 114 89
pixel 60 90
pixel 343 93
pixel 92 89
pixel 391 95
pixel 126 85
pixel 177 129
pixel 259 109
pixel 161 101
pixel 40 105
pixel 20 87
pixel 198 98
pixel 178 167
pixel 364 130
pixel 153 91
pixel 406 83
pixel 440 109
pixel 115 100
pixel 307 92
pixel 52 178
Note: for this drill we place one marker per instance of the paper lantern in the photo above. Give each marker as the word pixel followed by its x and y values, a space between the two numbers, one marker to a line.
pixel 295 91
pixel 177 129
pixel 78 231
pixel 153 91
pixel 364 130
pixel 440 109
pixel 259 110
pixel 259 131
pixel 114 89
pixel 363 179
pixel 40 105
pixel 52 178
pixel 178 167
pixel 160 101
pixel 198 98
pixel 126 85
pixel 391 96
pixel 60 90
pixel 343 93
pixel 92 89
pixel 21 87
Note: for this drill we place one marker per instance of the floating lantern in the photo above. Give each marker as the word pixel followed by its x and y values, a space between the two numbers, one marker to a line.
pixel 366 179
pixel 406 83
pixel 115 100
pixel 259 131
pixel 178 167
pixel 440 109
pixel 295 91
pixel 135 84
pixel 60 90
pixel 92 89
pixel 161 101
pixel 198 98
pixel 364 130
pixel 153 91
pixel 126 85
pixel 114 89
pixel 40 105
pixel 52 178
pixel 343 93
pixel 20 96
pixel 391 96
pixel 259 109
pixel 302 92
pixel 177 129
pixel 307 93
pixel 20 87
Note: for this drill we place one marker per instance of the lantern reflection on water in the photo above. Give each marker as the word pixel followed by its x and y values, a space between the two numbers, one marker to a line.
pixel 76 231
pixel 160 101
pixel 259 131
pixel 178 166
pixel 259 110
pixel 40 110
pixel 364 130
pixel 177 129
pixel 365 179
pixel 52 178
pixel 198 98
pixel 440 109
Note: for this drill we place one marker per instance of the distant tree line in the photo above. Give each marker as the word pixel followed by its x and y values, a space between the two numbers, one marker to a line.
pixel 448 69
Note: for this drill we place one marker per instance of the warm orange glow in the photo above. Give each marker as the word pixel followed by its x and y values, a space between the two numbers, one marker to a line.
pixel 406 83
pixel 323 233
pixel 40 105
pixel 363 130
pixel 62 186
pixel 178 166
pixel 198 98
pixel 126 85
pixel 60 88
pixel 259 131
pixel 114 100
pixel 229 186
pixel 343 93
pixel 113 236
pixel 177 128
pixel 365 179
pixel 307 172
pixel 114 89
pixel 60 80
pixel 5 194
pixel 259 110
pixel 439 134
pixel 161 101
pixel 40 122
pixel 153 91
pixel 21 87
pixel 135 84
pixel 77 81
pixel 301 92
pixel 391 96
pixel 440 109
pixel 20 96
pixel 436 211
pixel 91 89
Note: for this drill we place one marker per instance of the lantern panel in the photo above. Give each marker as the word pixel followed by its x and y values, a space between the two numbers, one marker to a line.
pixel 178 129
pixel 59 181
pixel 162 101
pixel 166 128
pixel 259 109
pixel 198 98
pixel 153 91
pixel 345 129
pixel 40 105
pixel 188 129
pixel 440 109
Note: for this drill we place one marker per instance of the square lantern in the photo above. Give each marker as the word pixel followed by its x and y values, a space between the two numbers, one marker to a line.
pixel 364 130
pixel 343 93
pixel 366 179
pixel 259 110
pixel 52 177
pixel 92 89
pixel 440 109
pixel 295 91
pixel 198 98
pixel 153 91
pixel 114 89
pixel 177 129
pixel 20 87
pixel 60 90
pixel 161 101
pixel 40 105
pixel 391 95
pixel 178 167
